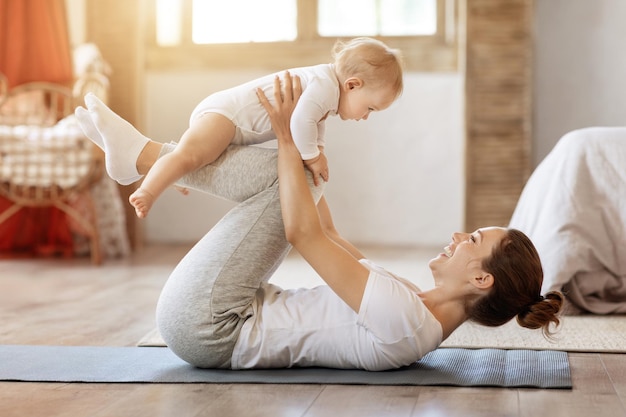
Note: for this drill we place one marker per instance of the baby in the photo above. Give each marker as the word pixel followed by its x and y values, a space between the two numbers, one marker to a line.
pixel 365 76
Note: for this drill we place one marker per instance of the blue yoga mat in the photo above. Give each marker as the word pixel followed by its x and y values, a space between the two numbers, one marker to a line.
pixel 459 367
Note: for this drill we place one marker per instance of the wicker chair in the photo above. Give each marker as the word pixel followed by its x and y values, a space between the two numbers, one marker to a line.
pixel 91 82
pixel 45 159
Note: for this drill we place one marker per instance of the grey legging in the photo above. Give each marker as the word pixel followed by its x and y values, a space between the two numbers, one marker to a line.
pixel 207 297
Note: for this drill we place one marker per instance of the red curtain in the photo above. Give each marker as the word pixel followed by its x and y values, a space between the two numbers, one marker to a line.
pixel 34 46
pixel 34 41
pixel 35 231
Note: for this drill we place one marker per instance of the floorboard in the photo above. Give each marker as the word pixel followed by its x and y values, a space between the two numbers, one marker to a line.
pixel 71 302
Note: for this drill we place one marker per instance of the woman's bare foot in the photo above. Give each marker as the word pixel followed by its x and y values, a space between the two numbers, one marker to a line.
pixel 142 201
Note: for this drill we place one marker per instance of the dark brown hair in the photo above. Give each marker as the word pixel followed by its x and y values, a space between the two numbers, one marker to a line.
pixel 516 292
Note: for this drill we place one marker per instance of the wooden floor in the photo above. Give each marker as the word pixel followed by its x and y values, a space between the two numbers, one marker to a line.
pixel 59 302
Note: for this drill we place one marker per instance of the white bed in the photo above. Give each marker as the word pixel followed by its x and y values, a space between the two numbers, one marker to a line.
pixel 574 209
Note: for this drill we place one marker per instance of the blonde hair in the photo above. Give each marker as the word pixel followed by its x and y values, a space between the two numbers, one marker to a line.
pixel 370 60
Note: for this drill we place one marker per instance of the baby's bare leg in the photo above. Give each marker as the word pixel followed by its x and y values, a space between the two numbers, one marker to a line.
pixel 201 144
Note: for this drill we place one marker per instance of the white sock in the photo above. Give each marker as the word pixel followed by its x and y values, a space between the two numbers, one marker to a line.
pixel 122 142
pixel 86 124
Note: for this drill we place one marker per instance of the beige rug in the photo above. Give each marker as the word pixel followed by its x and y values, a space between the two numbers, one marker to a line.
pixel 576 334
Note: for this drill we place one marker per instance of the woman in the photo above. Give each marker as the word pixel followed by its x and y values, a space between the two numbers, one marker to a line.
pixel 218 310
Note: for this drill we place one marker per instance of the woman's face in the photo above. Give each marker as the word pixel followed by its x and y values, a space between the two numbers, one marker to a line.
pixel 463 257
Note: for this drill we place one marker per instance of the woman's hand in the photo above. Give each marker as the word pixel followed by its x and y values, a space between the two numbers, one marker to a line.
pixel 286 99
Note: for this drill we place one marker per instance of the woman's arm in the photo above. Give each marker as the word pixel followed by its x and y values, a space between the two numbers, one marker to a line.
pixel 335 265
pixel 329 228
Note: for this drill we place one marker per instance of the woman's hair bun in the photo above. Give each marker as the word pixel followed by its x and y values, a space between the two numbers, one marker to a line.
pixel 543 313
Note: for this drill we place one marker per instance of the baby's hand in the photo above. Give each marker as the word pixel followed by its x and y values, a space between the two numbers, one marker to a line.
pixel 318 167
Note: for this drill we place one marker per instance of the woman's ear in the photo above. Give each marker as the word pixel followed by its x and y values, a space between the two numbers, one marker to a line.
pixel 352 83
pixel 483 280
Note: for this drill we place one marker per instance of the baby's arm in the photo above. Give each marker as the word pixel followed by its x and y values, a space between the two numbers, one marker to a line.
pixel 308 127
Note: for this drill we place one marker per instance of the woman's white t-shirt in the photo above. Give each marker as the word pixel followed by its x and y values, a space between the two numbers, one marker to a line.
pixel 314 327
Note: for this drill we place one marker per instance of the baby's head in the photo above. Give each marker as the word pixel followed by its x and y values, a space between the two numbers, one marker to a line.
pixel 370 60
pixel 370 76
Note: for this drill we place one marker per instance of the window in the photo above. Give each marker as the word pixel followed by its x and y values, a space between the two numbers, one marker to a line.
pixel 219 21
pixel 278 34
pixel 377 18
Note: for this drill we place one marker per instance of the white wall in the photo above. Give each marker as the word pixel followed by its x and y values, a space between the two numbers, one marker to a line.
pixel 580 68
pixel 397 179
pixel 406 186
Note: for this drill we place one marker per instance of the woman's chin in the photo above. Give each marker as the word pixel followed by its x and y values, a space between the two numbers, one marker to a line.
pixel 433 262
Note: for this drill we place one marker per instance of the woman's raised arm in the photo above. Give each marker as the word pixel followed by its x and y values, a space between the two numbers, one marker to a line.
pixel 335 265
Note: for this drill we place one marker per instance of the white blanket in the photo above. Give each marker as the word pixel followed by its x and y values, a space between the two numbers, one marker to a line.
pixel 45 156
pixel 574 209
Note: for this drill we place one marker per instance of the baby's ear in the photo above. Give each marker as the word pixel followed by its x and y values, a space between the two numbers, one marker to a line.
pixel 353 82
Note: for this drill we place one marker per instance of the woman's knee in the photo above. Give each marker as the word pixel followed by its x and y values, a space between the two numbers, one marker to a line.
pixel 199 344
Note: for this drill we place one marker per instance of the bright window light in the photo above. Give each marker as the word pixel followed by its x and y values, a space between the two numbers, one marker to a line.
pixel 169 22
pixel 377 17
pixel 243 21
pixel 238 21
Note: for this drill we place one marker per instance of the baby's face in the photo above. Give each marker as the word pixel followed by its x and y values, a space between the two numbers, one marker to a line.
pixel 357 102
